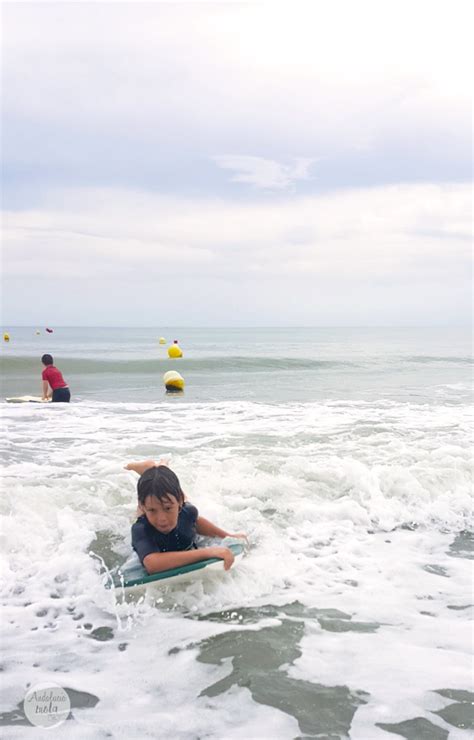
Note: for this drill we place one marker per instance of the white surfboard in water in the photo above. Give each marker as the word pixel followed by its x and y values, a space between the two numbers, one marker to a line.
pixel 26 399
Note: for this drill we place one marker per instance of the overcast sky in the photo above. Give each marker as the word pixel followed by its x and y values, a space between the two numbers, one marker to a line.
pixel 200 164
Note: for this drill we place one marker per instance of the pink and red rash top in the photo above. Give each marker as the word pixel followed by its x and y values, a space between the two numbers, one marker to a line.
pixel 54 377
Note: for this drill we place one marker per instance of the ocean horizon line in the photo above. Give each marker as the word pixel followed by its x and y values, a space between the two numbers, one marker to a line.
pixel 6 325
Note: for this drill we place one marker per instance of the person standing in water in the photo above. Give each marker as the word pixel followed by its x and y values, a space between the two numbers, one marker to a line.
pixel 53 379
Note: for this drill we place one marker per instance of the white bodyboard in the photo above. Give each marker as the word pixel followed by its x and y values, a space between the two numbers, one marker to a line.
pixel 26 399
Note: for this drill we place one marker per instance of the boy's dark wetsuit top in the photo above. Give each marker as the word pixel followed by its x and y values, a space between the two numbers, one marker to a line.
pixel 146 539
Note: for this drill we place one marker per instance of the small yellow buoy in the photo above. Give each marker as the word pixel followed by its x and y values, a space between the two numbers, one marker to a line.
pixel 175 350
pixel 162 340
pixel 37 332
pixel 173 381
pixel 6 337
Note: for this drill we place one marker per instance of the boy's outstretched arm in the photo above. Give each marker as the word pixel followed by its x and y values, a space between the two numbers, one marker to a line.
pixel 159 561
pixel 140 466
pixel 208 529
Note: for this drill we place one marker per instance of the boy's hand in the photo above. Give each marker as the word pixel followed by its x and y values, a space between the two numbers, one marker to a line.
pixel 223 553
pixel 239 536
pixel 141 466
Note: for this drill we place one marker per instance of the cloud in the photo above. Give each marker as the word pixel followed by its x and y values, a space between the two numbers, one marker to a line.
pixel 265 173
pixel 156 108
pixel 110 161
pixel 395 251
pixel 365 228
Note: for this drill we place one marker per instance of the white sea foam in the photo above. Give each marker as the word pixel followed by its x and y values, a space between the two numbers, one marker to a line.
pixel 324 492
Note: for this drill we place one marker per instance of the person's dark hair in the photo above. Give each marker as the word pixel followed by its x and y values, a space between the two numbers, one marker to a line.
pixel 47 360
pixel 161 483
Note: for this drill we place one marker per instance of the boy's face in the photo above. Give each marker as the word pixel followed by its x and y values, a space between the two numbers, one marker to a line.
pixel 162 514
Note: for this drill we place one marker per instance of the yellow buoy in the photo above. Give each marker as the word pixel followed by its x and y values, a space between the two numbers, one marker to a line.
pixel 37 332
pixel 173 381
pixel 6 337
pixel 175 350
pixel 162 340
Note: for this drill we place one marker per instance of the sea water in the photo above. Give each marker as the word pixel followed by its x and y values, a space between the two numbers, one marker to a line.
pixel 346 457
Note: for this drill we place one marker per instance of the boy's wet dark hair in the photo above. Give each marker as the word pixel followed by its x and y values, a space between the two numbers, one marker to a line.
pixel 47 360
pixel 161 483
